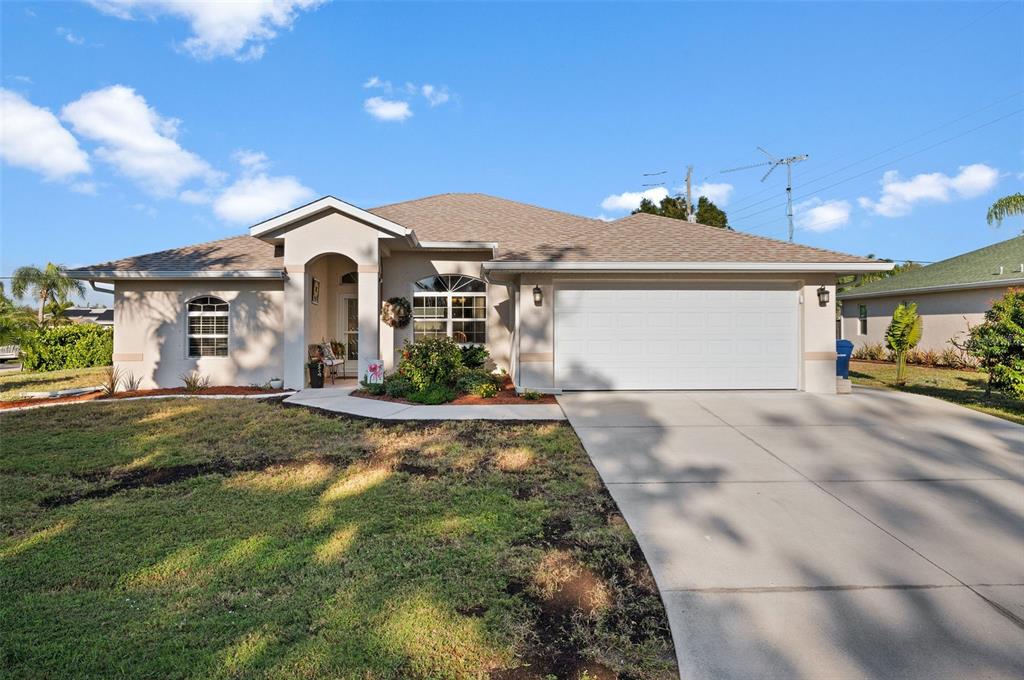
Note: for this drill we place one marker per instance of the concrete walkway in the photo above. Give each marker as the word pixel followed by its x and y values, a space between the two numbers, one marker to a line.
pixel 873 535
pixel 339 399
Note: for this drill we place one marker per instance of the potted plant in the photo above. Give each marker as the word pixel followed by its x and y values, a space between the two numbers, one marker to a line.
pixel 276 383
pixel 316 373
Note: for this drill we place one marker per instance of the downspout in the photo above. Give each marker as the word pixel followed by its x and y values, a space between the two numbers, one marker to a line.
pixel 92 284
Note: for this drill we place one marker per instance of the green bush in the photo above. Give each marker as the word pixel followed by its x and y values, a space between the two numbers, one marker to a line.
pixel 870 351
pixel 433 394
pixel 486 390
pixel 530 395
pixel 72 346
pixel 376 389
pixel 475 356
pixel 431 361
pixel 998 344
pixel 398 386
pixel 470 379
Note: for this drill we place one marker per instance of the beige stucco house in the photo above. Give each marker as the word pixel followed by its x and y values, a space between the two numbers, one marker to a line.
pixel 561 301
pixel 950 295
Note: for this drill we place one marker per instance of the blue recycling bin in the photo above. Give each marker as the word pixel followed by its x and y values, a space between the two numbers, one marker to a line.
pixel 844 350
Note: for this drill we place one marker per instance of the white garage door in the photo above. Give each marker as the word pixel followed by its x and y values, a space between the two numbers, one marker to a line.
pixel 672 336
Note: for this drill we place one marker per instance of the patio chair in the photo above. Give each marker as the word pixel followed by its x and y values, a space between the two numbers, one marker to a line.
pixel 330 360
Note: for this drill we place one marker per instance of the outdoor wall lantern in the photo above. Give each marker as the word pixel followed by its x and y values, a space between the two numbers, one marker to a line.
pixel 822 296
pixel 538 296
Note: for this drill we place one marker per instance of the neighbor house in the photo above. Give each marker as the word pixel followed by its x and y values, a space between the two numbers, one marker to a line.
pixel 950 295
pixel 561 301
pixel 102 316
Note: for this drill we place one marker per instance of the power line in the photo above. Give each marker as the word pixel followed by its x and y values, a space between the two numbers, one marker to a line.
pixel 895 160
pixel 746 206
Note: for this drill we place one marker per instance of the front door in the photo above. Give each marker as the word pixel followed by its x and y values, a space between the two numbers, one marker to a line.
pixel 349 313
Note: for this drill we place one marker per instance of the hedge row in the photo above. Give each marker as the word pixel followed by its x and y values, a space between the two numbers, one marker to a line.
pixel 72 346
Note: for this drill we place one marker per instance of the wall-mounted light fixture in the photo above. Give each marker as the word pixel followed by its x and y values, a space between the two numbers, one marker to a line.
pixel 823 296
pixel 538 296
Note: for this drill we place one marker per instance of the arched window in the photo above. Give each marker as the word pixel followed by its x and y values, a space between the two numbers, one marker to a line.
pixel 349 277
pixel 452 305
pixel 207 327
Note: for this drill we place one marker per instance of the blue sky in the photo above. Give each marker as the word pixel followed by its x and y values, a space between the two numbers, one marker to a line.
pixel 135 126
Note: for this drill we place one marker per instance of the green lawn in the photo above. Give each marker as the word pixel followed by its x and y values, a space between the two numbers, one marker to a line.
pixel 232 538
pixel 14 383
pixel 963 387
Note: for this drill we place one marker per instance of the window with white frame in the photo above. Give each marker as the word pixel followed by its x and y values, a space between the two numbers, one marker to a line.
pixel 862 319
pixel 450 305
pixel 207 327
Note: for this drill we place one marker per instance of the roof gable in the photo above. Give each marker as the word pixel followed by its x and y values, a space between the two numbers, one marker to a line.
pixel 276 225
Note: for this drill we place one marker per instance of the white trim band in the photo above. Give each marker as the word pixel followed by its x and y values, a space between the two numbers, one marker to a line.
pixel 99 274
pixel 703 267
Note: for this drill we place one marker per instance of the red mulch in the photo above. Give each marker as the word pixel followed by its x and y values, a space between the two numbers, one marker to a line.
pixel 139 393
pixel 506 395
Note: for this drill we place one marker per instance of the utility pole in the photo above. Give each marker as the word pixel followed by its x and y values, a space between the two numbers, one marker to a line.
pixel 690 217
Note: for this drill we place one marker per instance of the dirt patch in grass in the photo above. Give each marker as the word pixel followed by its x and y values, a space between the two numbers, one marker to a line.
pixel 226 390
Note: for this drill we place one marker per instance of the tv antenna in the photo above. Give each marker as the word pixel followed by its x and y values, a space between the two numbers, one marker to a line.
pixel 774 163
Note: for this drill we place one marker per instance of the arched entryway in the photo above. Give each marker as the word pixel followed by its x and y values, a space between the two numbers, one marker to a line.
pixel 332 310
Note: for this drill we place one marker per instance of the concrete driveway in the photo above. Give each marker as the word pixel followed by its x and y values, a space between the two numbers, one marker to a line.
pixel 873 535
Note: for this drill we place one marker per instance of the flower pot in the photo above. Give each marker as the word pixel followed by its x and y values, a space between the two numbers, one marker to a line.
pixel 316 375
pixel 276 383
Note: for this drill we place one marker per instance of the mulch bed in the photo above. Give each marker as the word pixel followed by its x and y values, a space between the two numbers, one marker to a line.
pixel 506 395
pixel 168 391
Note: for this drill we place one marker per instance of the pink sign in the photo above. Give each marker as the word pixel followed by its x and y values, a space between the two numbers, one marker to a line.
pixel 375 371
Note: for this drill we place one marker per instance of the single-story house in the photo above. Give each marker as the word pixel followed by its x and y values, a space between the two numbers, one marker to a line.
pixel 950 295
pixel 560 301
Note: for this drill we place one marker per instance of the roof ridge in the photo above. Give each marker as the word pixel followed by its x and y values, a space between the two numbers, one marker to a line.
pixel 490 196
pixel 997 244
pixel 737 232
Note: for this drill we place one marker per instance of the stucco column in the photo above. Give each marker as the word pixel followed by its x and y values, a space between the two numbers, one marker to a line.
pixel 819 341
pixel 369 316
pixel 295 327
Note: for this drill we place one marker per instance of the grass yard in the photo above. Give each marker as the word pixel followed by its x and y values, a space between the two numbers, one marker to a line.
pixel 14 383
pixel 187 538
pixel 964 387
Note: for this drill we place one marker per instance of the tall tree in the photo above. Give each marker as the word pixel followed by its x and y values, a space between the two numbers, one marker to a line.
pixel 675 207
pixel 15 321
pixel 50 283
pixel 1007 206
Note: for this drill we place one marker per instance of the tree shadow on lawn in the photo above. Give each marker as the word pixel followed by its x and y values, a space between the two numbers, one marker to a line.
pixel 411 553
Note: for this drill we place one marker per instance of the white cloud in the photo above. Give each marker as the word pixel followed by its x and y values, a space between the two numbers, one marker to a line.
pixel 899 196
pixel 87 188
pixel 22 79
pixel 387 109
pixel 252 198
pixel 70 36
pixel 717 193
pixel 252 160
pixel 32 137
pixel 219 29
pixel 374 82
pixel 817 215
pixel 630 200
pixel 255 195
pixel 136 140
pixel 435 96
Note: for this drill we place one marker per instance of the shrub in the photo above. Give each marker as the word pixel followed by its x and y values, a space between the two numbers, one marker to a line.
pixel 195 381
pixel 376 389
pixel 111 380
pixel 431 361
pixel 923 357
pixel 130 382
pixel 475 356
pixel 398 386
pixel 871 351
pixel 433 394
pixel 470 380
pixel 998 344
pixel 486 390
pixel 72 346
pixel 530 395
pixel 955 357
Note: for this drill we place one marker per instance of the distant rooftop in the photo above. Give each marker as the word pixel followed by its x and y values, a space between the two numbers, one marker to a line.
pixel 1000 264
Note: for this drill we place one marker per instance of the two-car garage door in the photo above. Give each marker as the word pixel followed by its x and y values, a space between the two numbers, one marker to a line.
pixel 675 336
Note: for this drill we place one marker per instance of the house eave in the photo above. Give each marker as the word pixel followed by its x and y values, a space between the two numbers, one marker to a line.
pixel 1005 283
pixel 691 267
pixel 135 274
pixel 275 225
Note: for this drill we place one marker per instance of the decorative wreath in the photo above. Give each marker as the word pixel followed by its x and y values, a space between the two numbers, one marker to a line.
pixel 396 312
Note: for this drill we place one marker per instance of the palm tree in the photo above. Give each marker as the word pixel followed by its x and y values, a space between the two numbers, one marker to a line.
pixel 903 334
pixel 58 311
pixel 1007 206
pixel 50 283
pixel 15 321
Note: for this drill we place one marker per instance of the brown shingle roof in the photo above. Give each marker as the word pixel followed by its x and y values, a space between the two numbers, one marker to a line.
pixel 237 253
pixel 523 233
